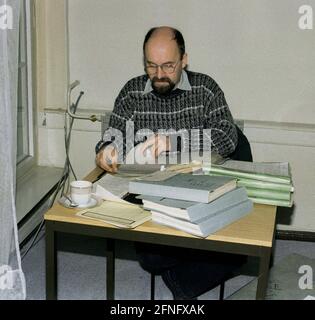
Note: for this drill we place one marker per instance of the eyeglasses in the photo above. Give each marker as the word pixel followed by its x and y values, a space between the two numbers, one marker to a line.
pixel 151 68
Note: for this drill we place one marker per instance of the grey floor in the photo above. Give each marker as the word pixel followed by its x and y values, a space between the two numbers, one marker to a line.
pixel 82 269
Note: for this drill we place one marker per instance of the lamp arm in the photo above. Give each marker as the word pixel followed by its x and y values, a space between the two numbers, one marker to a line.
pixel 71 86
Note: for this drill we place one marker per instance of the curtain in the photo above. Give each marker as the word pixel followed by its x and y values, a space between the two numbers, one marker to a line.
pixel 12 282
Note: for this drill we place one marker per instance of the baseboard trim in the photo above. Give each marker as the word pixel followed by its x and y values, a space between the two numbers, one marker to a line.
pixel 295 235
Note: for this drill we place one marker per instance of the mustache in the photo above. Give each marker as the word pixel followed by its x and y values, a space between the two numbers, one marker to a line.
pixel 164 79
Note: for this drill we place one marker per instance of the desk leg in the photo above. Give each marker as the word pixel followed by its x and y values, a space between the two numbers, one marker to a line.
pixel 263 274
pixel 51 262
pixel 110 270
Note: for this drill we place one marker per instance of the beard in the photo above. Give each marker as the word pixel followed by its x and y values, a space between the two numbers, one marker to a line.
pixel 166 88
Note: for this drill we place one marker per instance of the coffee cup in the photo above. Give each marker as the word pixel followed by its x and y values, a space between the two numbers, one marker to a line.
pixel 81 191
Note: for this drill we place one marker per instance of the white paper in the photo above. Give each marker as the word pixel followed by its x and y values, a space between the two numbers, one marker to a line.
pixel 107 195
pixel 112 188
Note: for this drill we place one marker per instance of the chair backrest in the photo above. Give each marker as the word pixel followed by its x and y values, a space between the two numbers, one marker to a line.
pixel 243 150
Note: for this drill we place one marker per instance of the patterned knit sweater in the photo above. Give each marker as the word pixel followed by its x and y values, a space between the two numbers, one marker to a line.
pixel 202 107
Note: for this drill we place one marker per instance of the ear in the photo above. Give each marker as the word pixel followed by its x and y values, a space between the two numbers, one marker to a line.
pixel 184 61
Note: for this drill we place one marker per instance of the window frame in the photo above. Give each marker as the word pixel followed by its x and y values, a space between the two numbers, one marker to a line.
pixel 31 158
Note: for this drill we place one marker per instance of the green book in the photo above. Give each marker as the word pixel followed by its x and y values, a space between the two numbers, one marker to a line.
pixel 248 175
pixel 252 183
pixel 274 172
pixel 274 202
pixel 269 194
pixel 265 182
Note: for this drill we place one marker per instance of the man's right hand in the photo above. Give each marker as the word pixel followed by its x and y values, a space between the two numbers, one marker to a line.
pixel 107 159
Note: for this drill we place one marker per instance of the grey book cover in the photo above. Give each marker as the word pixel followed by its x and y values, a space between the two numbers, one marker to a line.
pixel 193 211
pixel 199 188
pixel 204 227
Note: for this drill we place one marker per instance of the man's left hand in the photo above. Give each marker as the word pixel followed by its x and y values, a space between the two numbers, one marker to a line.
pixel 156 144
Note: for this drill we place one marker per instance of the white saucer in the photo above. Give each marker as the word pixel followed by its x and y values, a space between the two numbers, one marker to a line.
pixel 94 201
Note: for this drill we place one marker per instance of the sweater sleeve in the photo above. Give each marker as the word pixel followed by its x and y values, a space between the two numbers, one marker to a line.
pixel 119 126
pixel 218 118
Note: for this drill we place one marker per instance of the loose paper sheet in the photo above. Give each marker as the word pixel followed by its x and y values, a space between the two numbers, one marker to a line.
pixel 112 188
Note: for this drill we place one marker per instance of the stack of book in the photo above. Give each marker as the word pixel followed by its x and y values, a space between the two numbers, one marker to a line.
pixel 265 182
pixel 197 204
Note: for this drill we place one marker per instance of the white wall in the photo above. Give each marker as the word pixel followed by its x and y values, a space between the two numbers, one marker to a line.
pixel 51 53
pixel 253 49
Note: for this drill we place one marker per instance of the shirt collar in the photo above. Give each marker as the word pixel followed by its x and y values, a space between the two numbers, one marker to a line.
pixel 183 84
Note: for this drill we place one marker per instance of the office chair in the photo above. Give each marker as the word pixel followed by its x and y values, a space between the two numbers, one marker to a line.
pixel 243 150
pixel 221 295
pixel 222 285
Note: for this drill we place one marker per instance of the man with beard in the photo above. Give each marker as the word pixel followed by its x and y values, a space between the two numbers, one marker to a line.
pixel 170 97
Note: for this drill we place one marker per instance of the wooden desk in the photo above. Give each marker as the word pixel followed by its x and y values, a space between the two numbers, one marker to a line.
pixel 253 235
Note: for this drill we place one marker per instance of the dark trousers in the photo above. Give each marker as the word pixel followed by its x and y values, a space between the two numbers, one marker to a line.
pixel 188 273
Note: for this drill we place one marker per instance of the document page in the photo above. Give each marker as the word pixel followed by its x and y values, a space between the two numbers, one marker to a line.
pixel 272 168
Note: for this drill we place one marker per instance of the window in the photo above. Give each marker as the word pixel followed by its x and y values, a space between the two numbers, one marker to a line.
pixel 25 120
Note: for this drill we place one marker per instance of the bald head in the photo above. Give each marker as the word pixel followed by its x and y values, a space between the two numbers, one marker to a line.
pixel 164 32
pixel 165 36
